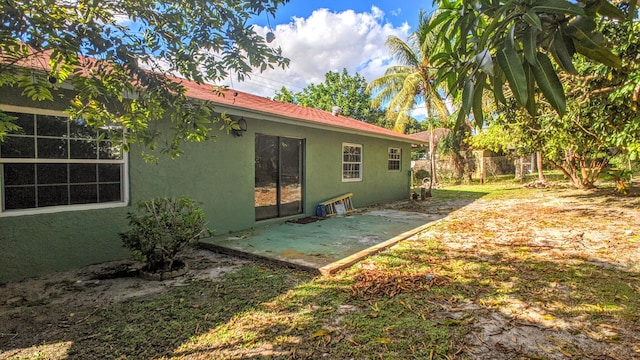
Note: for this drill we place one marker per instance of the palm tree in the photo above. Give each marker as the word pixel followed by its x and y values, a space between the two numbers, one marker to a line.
pixel 411 82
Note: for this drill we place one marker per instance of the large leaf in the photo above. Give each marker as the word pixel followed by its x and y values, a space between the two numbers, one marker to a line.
pixel 532 18
pixel 467 95
pixel 556 7
pixel 562 52
pixel 477 99
pixel 510 63
pixel 498 86
pixel 530 44
pixel 531 88
pixel 550 85
pixel 583 29
pixel 600 54
pixel 607 9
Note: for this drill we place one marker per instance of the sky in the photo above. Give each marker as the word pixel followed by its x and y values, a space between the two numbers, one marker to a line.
pixel 329 35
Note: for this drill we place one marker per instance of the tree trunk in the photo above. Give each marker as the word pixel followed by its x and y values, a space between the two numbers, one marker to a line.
pixel 539 165
pixel 432 157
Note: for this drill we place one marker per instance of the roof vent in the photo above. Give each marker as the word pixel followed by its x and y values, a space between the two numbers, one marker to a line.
pixel 335 111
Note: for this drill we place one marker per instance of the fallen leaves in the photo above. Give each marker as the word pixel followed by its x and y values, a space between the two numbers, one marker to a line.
pixel 375 284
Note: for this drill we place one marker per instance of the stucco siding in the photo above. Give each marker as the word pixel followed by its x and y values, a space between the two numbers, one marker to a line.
pixel 219 174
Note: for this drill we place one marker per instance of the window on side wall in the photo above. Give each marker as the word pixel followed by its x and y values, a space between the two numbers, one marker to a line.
pixel 351 162
pixel 395 159
pixel 54 164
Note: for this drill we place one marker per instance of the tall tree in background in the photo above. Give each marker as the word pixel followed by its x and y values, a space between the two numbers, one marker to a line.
pixel 412 82
pixel 348 92
pixel 115 55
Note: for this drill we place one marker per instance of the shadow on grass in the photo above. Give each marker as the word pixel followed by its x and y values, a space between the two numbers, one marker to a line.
pixel 383 308
pixel 145 327
pixel 422 301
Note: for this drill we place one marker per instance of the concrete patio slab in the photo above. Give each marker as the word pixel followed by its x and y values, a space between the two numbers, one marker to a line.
pixel 326 245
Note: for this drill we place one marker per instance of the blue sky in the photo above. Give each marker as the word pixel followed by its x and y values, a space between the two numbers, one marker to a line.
pixel 396 12
pixel 323 36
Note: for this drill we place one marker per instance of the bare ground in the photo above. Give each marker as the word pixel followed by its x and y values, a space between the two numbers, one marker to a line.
pixel 553 227
pixel 555 230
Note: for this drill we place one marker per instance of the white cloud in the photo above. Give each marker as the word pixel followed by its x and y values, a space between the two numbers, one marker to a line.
pixel 326 41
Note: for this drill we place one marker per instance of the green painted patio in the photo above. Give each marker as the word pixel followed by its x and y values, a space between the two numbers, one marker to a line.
pixel 324 245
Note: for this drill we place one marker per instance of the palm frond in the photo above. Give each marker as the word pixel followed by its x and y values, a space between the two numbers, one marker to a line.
pixel 402 52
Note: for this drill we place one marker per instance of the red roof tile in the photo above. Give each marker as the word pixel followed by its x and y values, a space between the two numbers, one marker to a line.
pixel 438 134
pixel 241 100
pixel 299 114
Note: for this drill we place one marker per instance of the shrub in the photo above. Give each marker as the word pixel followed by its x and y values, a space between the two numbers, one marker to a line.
pixel 161 228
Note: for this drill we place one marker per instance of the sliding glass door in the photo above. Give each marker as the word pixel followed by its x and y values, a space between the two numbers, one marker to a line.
pixel 278 180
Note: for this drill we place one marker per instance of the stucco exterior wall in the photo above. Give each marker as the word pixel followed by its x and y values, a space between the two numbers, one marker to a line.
pixel 219 174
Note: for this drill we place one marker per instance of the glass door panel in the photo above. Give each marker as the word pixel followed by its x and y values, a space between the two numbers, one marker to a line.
pixel 278 176
pixel 266 179
pixel 290 176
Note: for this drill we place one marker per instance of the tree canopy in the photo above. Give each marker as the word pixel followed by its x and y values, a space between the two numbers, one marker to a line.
pixel 348 92
pixel 600 121
pixel 116 55
pixel 411 81
pixel 491 44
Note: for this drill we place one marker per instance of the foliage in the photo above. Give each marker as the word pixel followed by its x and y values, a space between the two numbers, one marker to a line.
pixel 492 43
pixel 161 228
pixel 118 56
pixel 412 81
pixel 600 121
pixel 622 179
pixel 338 89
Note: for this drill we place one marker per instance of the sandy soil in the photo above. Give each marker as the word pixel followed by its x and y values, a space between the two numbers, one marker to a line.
pixel 567 227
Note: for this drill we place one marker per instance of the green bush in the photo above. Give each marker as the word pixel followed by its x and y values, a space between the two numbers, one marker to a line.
pixel 420 175
pixel 161 228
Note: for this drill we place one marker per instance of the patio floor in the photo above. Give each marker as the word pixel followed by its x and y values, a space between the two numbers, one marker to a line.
pixel 327 245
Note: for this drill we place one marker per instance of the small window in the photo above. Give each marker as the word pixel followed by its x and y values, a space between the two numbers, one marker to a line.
pixel 55 162
pixel 395 158
pixel 351 162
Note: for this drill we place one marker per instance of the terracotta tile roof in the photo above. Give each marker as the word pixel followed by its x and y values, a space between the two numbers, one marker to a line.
pixel 241 100
pixel 298 114
pixel 438 134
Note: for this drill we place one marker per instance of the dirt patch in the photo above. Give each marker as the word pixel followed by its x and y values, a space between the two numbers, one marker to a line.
pixel 35 310
pixel 564 251
pixel 108 282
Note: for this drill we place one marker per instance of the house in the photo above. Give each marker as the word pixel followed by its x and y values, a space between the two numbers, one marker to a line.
pixel 65 192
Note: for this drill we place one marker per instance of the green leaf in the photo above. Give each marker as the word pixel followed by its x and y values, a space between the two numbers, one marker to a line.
pixel 556 7
pixel 530 44
pixel 607 9
pixel 601 55
pixel 550 85
pixel 510 63
pixel 562 53
pixel 467 95
pixel 531 89
pixel 583 28
pixel 532 18
pixel 498 85
pixel 477 100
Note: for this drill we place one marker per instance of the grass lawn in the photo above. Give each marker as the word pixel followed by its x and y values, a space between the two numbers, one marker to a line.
pixel 517 274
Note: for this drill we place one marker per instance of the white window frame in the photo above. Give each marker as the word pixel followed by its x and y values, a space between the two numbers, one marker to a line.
pixel 60 208
pixel 348 163
pixel 394 157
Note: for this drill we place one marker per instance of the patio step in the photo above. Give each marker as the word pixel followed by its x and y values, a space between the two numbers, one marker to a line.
pixel 337 206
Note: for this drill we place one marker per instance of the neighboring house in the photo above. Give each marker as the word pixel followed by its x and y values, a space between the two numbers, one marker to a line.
pixel 65 192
